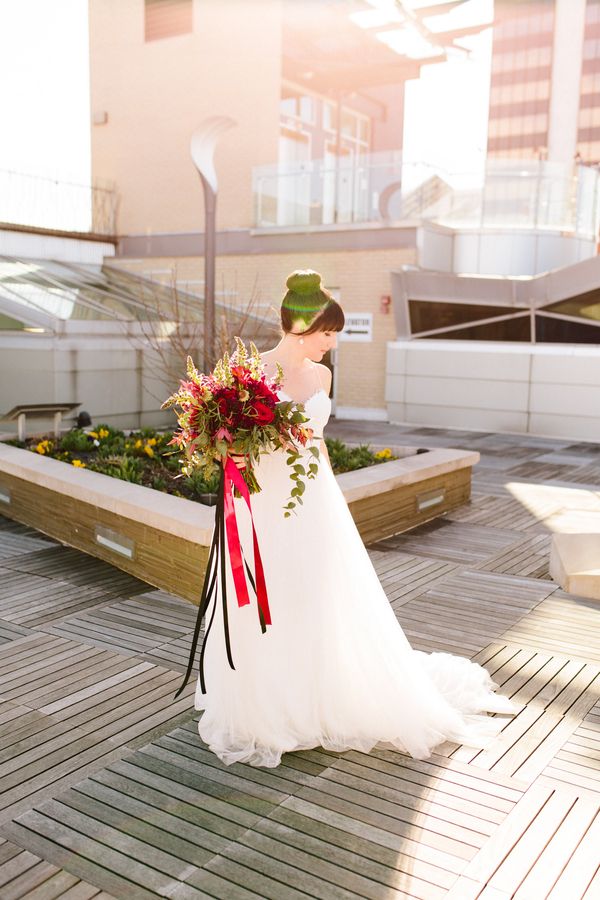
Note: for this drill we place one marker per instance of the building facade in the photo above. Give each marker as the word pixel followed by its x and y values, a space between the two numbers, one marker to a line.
pixel 308 177
pixel 312 175
pixel 545 81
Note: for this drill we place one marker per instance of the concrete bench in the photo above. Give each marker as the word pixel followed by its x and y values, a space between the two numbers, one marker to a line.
pixel 575 562
pixel 38 411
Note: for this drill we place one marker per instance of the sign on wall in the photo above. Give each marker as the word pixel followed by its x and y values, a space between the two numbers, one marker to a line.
pixel 358 327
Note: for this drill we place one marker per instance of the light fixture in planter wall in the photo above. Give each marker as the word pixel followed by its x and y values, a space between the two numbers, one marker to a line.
pixel 112 540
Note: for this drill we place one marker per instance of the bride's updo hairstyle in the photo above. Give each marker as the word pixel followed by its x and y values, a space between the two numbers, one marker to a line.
pixel 309 301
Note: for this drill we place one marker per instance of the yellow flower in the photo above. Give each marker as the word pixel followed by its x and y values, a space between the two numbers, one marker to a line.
pixel 43 446
pixel 151 441
pixel 148 450
pixel 79 464
pixel 93 434
pixel 383 454
pixel 103 433
pixel 138 444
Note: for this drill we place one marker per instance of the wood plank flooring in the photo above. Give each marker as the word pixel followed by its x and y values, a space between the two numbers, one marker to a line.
pixel 107 791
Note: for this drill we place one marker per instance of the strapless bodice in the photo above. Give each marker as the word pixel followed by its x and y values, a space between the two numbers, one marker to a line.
pixel 317 407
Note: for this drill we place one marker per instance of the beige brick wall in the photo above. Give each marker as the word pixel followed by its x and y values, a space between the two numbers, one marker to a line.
pixel 361 276
pixel 156 95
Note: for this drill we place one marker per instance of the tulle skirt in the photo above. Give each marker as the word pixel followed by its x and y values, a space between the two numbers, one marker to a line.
pixel 334 669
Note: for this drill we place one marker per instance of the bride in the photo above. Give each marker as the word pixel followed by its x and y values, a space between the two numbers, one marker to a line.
pixel 334 668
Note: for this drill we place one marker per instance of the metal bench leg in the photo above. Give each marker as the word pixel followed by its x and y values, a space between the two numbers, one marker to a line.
pixel 57 421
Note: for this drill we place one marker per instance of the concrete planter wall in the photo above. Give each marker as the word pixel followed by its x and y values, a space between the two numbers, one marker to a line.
pixel 551 390
pixel 164 540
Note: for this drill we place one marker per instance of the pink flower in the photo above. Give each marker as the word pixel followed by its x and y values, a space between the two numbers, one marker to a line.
pixel 223 433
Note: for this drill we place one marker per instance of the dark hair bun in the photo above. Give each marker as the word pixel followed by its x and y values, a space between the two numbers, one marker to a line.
pixel 304 281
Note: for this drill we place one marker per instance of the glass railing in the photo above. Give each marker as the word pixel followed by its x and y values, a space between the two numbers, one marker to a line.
pixel 42 202
pixel 383 188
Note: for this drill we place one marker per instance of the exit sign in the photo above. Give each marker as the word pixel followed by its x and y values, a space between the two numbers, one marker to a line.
pixel 358 327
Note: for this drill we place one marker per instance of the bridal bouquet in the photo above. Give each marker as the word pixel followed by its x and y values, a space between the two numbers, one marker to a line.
pixel 235 411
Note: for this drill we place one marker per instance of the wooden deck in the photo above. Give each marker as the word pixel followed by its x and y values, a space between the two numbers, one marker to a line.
pixel 107 791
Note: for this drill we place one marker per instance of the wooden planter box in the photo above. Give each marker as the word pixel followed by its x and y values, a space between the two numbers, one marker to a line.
pixel 164 540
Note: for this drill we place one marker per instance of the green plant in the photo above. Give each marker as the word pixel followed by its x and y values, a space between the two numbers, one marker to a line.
pixel 107 441
pixel 127 468
pixel 76 441
pixel 198 484
pixel 347 459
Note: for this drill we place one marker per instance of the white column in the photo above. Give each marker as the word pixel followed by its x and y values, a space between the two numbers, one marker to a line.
pixel 566 75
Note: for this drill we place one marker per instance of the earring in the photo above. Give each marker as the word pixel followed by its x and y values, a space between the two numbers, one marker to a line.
pixel 301 341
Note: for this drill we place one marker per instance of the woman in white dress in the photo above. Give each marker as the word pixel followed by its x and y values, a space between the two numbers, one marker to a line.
pixel 334 668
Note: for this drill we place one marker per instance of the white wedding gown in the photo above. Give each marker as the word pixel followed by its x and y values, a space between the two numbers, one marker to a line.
pixel 334 668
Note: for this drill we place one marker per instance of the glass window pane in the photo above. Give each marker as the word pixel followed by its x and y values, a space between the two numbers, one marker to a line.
pixel 426 315
pixel 517 329
pixel 548 330
pixel 587 306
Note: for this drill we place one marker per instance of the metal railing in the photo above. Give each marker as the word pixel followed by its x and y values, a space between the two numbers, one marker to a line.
pixel 385 188
pixel 43 202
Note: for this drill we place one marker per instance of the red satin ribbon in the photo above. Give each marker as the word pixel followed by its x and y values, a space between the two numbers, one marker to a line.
pixel 232 477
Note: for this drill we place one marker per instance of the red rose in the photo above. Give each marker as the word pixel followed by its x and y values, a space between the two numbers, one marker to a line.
pixel 263 390
pixel 263 413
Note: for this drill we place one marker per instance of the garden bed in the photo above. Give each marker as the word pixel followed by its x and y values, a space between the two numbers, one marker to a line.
pixel 163 539
pixel 145 457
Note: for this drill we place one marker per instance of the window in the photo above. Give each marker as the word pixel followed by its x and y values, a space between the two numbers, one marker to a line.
pixel 592 12
pixel 589 151
pixel 428 315
pixel 591 48
pixel 585 306
pixel 590 83
pixel 167 18
pixel 529 58
pixel 354 127
pixel 533 124
pixel 589 117
pixel 298 106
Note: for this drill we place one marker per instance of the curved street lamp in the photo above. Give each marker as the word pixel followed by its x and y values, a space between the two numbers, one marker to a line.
pixel 202 149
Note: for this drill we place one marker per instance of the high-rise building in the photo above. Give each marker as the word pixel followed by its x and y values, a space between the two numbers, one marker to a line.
pixel 588 123
pixel 545 81
pixel 521 79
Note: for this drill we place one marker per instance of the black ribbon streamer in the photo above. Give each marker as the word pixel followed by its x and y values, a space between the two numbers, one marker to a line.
pixel 216 564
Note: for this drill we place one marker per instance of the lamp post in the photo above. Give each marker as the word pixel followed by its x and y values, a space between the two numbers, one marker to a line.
pixel 202 149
